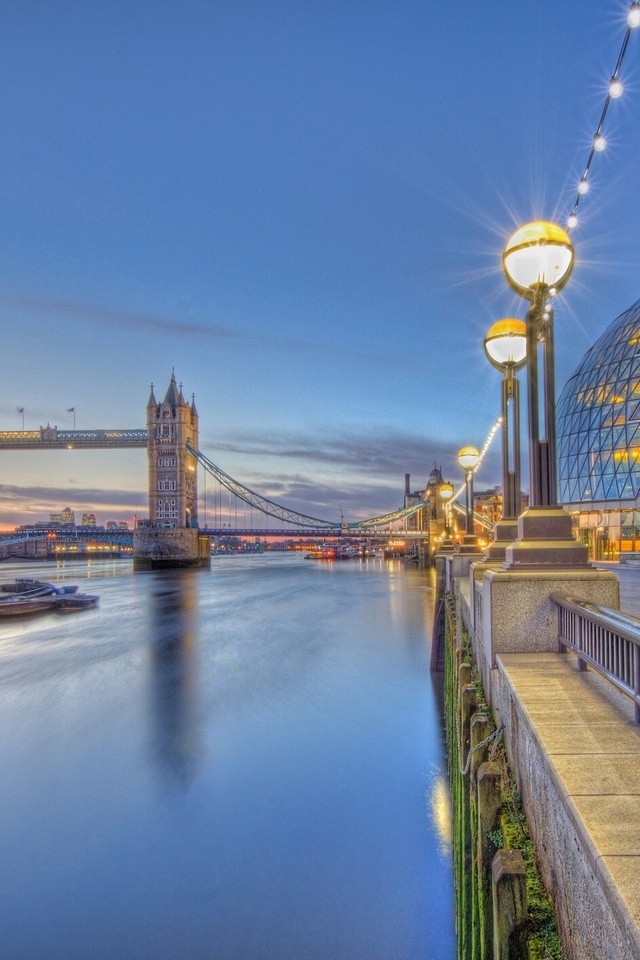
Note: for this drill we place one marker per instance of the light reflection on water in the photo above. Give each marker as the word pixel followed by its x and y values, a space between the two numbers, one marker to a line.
pixel 241 763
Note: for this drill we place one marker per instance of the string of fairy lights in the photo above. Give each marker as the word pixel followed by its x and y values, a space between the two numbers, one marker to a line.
pixel 483 452
pixel 614 92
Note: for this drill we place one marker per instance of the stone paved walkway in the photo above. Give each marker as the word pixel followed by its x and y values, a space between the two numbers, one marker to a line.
pixel 585 729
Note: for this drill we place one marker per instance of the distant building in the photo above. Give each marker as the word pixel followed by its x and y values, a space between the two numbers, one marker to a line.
pixel 430 518
pixel 66 517
pixel 420 519
pixel 88 519
pixel 488 503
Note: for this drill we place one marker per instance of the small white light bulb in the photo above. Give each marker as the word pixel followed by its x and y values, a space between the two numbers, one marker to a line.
pixel 633 18
pixel 599 142
pixel 615 88
pixel 583 186
pixel 572 221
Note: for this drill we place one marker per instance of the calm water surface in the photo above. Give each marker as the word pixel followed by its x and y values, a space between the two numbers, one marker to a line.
pixel 241 764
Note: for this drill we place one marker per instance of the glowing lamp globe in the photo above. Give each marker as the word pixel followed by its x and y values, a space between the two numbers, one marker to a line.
pixel 506 344
pixel 468 458
pixel 538 256
pixel 615 88
pixel 446 491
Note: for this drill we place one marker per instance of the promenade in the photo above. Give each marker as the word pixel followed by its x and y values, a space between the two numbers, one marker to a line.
pixel 629 577
pixel 580 753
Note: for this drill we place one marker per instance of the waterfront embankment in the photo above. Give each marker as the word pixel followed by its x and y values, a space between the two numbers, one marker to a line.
pixel 574 752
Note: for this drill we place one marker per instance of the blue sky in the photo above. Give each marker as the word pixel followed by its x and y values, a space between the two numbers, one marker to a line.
pixel 300 206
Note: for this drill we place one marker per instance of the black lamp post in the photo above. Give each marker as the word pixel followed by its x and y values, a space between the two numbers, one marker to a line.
pixel 468 458
pixel 537 262
pixel 506 348
pixel 445 492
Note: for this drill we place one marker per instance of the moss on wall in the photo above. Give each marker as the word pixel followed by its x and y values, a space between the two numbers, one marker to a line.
pixel 537 938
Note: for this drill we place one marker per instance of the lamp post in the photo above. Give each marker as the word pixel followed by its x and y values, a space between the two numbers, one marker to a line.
pixel 506 348
pixel 468 458
pixel 446 491
pixel 537 262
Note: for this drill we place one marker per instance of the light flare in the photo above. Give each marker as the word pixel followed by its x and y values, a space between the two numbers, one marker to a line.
pixel 615 88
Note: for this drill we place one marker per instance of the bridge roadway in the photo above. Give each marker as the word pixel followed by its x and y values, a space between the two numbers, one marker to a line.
pixel 313 533
pixel 125 538
pixel 50 438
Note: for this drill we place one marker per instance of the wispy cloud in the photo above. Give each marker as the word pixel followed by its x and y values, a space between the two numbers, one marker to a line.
pixel 39 499
pixel 375 453
pixel 177 327
pixel 91 313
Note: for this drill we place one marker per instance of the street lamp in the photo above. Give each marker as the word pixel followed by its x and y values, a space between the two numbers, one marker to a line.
pixel 537 262
pixel 468 458
pixel 446 491
pixel 506 348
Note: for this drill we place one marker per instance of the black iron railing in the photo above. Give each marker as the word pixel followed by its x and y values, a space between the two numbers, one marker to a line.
pixel 605 639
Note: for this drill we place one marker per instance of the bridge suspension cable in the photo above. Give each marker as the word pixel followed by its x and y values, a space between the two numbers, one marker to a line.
pixel 389 517
pixel 263 504
pixel 285 514
pixel 483 521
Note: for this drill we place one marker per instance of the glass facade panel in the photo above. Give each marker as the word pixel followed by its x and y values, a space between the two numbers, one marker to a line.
pixel 598 413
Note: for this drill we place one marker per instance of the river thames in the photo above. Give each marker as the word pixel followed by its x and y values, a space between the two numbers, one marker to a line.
pixel 245 763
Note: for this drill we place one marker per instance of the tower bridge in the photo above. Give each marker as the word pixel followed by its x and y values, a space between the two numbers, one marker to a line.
pixel 172 535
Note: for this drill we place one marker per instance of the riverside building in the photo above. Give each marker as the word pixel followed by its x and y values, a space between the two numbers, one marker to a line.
pixel 598 437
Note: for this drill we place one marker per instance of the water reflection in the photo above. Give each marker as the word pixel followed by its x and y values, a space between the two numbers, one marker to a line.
pixel 243 762
pixel 177 732
pixel 440 804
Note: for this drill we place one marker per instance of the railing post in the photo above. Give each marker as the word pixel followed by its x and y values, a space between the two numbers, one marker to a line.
pixel 636 682
pixel 561 646
pixel 581 628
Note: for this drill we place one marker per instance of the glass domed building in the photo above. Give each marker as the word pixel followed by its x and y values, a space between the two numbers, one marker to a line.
pixel 598 440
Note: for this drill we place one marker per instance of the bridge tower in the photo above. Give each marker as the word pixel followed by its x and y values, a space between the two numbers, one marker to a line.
pixel 171 537
pixel 171 425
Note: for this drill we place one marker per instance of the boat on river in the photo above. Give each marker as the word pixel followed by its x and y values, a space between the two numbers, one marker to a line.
pixel 25 585
pixel 71 603
pixel 25 597
pixel 21 606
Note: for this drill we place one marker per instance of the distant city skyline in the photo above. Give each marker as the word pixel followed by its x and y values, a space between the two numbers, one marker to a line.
pixel 302 209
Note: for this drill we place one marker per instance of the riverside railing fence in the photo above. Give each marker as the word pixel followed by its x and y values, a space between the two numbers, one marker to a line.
pixel 605 639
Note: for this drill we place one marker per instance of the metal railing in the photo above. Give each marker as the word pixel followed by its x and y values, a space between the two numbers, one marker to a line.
pixel 605 639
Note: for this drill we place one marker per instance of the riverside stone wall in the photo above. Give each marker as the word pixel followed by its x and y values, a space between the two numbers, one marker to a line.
pixel 593 921
pixel 593 927
pixel 502 909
